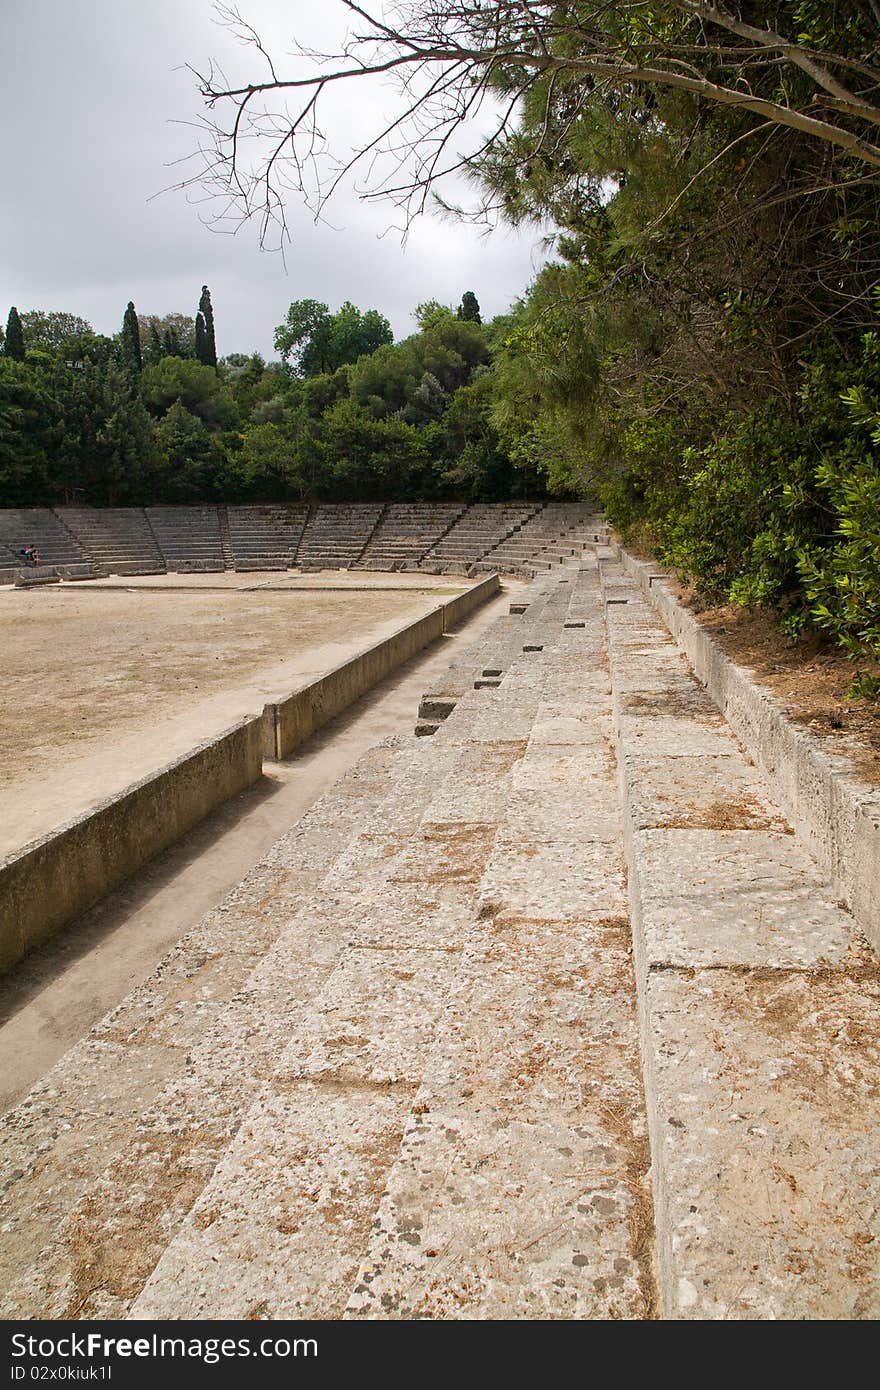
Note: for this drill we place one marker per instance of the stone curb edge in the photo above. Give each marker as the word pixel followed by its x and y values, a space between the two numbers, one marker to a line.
pixel 835 814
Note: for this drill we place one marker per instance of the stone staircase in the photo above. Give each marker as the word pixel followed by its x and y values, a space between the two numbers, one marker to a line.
pixel 336 535
pixel 226 547
pixel 484 663
pixel 118 539
pixel 265 538
pixel 480 529
pixel 188 537
pixel 409 1068
pixel 57 546
pixel 560 528
pixel 406 532
pixel 568 546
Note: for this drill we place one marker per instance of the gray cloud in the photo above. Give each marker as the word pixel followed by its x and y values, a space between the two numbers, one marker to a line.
pixel 97 110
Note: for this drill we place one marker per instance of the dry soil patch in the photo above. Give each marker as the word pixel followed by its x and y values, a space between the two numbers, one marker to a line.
pixel 103 685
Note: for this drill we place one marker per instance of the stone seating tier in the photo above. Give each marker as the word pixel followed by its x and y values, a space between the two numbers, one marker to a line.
pixel 481 528
pixel 435 537
pixel 265 537
pixel 335 537
pixel 118 538
pixel 406 532
pixel 188 537
pixel 21 526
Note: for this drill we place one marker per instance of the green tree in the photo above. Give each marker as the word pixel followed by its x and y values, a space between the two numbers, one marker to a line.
pixel 125 440
pixel 206 347
pixel 131 341
pixel 187 456
pixel 172 335
pixel 195 386
pixel 153 349
pixel 24 414
pixel 371 459
pixel 809 68
pixel 469 308
pixel 268 464
pixel 315 341
pixel 304 319
pixel 52 330
pixel 13 344
pixel 431 314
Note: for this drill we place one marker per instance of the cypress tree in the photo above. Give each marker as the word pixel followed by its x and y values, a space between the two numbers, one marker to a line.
pixel 14 344
pixel 154 343
pixel 469 308
pixel 200 338
pixel 206 347
pixel 131 341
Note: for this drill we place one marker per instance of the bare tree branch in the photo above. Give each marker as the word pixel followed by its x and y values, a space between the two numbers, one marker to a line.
pixel 455 59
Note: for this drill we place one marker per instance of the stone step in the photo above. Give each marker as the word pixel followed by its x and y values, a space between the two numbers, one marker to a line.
pixel 104 1157
pixel 329 1120
pixel 503 638
pixel 520 1190
pixel 304 1215
pixel 759 1003
pixel 89 570
pixel 33 578
pixel 124 567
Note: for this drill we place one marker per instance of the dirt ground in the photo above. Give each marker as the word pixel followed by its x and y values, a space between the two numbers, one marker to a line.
pixel 103 684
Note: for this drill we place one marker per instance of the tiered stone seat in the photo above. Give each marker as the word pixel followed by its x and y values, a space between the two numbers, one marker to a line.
pixel 157 1091
pixel 758 998
pixel 481 528
pixel 407 532
pixel 570 546
pixel 336 535
pixel 558 528
pixel 266 537
pixel 483 663
pixel 448 1088
pixel 438 537
pixel 398 1073
pixel 9 565
pixel 333 1096
pixel 21 526
pixel 188 537
pixel 119 539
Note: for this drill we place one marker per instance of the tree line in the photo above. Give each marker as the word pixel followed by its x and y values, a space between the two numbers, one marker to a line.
pixel 152 415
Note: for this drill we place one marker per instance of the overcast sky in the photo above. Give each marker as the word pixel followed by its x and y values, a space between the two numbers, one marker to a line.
pixel 94 95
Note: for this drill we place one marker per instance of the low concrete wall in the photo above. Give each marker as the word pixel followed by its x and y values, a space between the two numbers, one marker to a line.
pixel 464 604
pixel 48 883
pixel 835 814
pixel 31 577
pixel 290 721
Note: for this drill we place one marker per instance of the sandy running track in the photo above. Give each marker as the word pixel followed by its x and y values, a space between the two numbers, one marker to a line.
pixel 101 685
